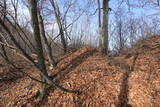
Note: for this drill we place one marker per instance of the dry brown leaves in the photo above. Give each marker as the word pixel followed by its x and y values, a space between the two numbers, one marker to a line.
pixel 102 84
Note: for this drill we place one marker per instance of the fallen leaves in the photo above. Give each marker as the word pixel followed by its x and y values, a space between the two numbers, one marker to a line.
pixel 102 85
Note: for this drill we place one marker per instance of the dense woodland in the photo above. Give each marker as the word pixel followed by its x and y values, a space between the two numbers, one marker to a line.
pixel 79 53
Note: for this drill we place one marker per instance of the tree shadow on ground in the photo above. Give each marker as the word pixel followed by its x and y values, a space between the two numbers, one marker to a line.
pixel 123 96
pixel 10 76
pixel 74 63
pixel 124 91
pixel 61 74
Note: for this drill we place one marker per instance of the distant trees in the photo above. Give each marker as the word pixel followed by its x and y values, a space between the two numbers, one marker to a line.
pixel 3 10
pixel 128 27
pixel 120 28
pixel 126 30
pixel 154 2
pixel 99 16
pixel 60 24
pixel 15 7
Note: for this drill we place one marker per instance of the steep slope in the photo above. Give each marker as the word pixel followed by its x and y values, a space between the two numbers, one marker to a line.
pixel 125 80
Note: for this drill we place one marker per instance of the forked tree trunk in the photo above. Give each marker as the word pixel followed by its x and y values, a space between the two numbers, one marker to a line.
pixel 45 41
pixel 28 57
pixel 36 31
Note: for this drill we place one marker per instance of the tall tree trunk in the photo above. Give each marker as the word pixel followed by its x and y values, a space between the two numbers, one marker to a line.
pixel 99 14
pixel 44 74
pixel 4 51
pixel 4 17
pixel 59 22
pixel 121 42
pixel 104 34
pixel 4 9
pixel 41 60
pixel 15 7
pixel 99 21
pixel 47 46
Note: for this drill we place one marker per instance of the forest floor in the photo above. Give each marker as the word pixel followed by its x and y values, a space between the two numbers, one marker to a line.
pixel 129 79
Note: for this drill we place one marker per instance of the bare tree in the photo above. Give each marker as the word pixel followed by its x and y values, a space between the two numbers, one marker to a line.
pixel 4 53
pixel 60 24
pixel 99 20
pixel 120 29
pixel 132 27
pixel 3 10
pixel 99 14
pixel 104 32
pixel 39 47
pixel 45 41
pixel 15 7
pixel 28 57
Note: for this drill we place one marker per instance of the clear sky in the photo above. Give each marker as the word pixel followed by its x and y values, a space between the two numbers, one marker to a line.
pixel 88 22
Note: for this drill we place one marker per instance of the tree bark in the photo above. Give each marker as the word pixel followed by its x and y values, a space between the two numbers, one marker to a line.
pixel 36 31
pixel 45 76
pixel 15 7
pixel 99 14
pixel 4 52
pixel 99 21
pixel 4 17
pixel 104 34
pixel 47 46
pixel 59 22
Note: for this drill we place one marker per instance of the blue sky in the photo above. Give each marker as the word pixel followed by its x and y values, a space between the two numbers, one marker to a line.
pixel 83 4
pixel 81 25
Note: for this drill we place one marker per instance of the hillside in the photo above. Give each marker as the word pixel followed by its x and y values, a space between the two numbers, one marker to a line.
pixel 124 80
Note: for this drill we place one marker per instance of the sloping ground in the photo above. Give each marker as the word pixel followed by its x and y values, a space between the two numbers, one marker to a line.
pixel 126 80
pixel 14 86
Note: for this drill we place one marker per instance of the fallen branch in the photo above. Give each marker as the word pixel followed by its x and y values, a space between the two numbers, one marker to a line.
pixel 12 47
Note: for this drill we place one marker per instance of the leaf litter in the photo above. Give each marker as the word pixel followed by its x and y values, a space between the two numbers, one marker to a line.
pixel 129 79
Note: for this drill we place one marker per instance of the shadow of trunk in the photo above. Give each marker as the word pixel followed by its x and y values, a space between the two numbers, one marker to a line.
pixel 124 91
pixel 74 63
pixel 62 73
pixel 10 76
